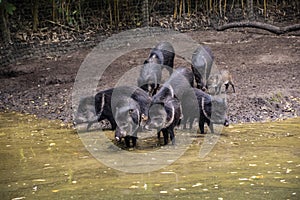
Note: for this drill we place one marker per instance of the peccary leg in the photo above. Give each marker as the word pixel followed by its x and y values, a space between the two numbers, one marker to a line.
pixel 232 87
pixel 191 123
pixel 112 123
pixel 158 134
pixel 211 127
pixel 127 141
pixel 226 86
pixel 183 121
pixel 110 119
pixel 172 136
pixel 133 141
pixel 166 136
pixel 201 126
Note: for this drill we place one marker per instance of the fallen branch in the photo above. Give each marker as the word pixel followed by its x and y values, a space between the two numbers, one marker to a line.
pixel 268 27
pixel 63 26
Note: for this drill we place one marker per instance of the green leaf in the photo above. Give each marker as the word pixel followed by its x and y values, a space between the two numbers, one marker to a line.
pixel 10 8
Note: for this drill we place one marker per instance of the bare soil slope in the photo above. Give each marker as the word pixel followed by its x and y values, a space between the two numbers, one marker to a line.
pixel 265 68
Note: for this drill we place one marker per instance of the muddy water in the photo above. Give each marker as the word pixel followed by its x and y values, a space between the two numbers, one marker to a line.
pixel 43 159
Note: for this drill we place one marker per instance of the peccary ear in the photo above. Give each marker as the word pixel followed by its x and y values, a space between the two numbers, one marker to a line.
pixel 156 53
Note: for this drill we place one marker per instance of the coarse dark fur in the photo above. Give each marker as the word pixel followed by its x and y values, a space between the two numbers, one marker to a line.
pixel 163 53
pixel 202 61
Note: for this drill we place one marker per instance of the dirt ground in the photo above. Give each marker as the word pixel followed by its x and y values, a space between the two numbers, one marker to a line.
pixel 265 68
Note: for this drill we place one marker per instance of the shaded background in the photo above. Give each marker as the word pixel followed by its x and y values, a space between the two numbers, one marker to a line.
pixel 34 28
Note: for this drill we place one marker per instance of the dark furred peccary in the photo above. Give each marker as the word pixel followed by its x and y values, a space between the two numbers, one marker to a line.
pixel 103 101
pixel 165 105
pixel 202 60
pixel 212 110
pixel 164 116
pixel 130 109
pixel 128 117
pixel 163 53
pixel 150 77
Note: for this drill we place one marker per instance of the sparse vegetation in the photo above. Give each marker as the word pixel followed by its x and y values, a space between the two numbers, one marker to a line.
pixel 276 97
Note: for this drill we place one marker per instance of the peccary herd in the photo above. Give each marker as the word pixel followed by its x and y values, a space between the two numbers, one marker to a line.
pixel 162 106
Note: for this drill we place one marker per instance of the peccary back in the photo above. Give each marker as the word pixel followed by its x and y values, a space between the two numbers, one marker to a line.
pixel 168 53
pixel 202 60
pixel 150 78
pixel 181 80
pixel 163 53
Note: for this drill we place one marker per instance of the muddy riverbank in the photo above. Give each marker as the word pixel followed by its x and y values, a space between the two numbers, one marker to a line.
pixel 265 68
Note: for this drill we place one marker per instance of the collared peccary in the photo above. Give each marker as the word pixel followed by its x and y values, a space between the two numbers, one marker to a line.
pixel 130 108
pixel 202 60
pixel 128 117
pixel 150 77
pixel 165 111
pixel 216 81
pixel 164 116
pixel 85 112
pixel 105 100
pixel 163 53
pixel 178 85
pixel 212 110
pixel 181 80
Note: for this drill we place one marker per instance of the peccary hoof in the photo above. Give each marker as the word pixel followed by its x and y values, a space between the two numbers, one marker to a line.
pixel 226 123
